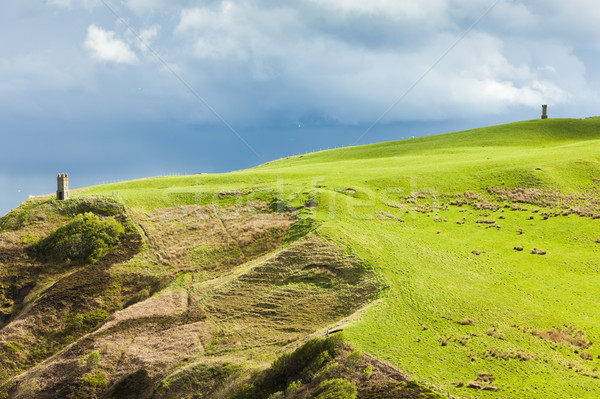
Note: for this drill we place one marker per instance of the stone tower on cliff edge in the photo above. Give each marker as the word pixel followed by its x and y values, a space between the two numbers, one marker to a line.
pixel 62 189
pixel 544 111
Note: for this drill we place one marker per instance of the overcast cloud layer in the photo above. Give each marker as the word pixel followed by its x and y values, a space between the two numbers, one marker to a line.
pixel 123 86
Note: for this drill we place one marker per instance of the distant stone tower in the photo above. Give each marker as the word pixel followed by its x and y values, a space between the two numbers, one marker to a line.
pixel 62 183
pixel 544 111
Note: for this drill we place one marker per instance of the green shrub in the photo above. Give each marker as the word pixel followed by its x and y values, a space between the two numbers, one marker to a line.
pixel 293 387
pixel 336 388
pixel 96 380
pixel 368 371
pixel 313 367
pixel 93 359
pixel 354 358
pixel 305 360
pixel 85 238
pixel 78 323
pixel 331 370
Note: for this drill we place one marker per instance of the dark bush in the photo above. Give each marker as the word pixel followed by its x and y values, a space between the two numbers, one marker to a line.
pixel 85 238
pixel 301 364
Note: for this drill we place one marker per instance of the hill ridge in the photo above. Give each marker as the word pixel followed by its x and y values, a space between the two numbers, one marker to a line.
pixel 487 242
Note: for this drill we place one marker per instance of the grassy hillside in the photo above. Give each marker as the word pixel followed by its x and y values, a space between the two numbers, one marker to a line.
pixel 448 223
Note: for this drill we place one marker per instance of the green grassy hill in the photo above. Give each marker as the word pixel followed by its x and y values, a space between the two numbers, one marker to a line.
pixel 485 242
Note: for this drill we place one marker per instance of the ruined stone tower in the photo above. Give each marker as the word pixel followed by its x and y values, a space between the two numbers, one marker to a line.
pixel 62 183
pixel 544 111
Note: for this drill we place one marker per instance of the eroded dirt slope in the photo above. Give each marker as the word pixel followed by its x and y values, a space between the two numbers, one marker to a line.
pixel 212 289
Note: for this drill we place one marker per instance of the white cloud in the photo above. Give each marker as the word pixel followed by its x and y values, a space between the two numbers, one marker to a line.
pixel 323 70
pixel 147 36
pixel 237 31
pixel 105 47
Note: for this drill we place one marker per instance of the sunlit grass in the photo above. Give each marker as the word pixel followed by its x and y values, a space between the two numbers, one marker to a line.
pixel 435 280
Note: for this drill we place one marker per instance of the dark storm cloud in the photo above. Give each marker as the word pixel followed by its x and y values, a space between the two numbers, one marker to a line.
pixel 283 74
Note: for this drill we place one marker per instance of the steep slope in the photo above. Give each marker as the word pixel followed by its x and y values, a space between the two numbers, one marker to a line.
pixel 211 287
pixel 486 241
pixel 47 304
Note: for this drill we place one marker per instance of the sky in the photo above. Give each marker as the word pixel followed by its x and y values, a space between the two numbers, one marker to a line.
pixel 110 90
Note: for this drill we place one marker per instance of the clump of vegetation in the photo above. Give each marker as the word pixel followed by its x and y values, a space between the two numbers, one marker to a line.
pixel 336 388
pixel 96 380
pixel 484 382
pixel 93 359
pixel 293 387
pixel 353 358
pixel 304 362
pixel 496 334
pixel 80 323
pixel 567 334
pixel 86 238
